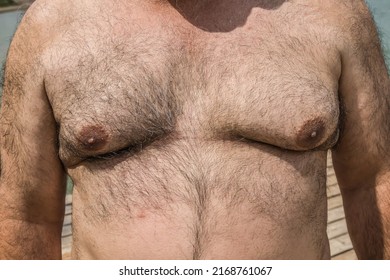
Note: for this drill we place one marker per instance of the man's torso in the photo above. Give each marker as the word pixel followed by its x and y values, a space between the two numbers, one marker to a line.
pixel 192 136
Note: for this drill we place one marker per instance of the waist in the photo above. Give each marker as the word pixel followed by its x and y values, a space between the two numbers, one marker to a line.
pixel 177 232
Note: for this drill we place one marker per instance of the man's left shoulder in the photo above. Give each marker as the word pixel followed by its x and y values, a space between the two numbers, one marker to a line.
pixel 351 19
pixel 348 15
pixel 337 7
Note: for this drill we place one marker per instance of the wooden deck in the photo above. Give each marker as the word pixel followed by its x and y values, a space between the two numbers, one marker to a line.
pixel 67 229
pixel 340 243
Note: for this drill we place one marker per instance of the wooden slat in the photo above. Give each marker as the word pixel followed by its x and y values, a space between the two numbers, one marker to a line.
pixel 331 180
pixel 68 209
pixel 68 219
pixel 66 242
pixel 330 171
pixel 335 202
pixel 340 244
pixel 337 228
pixel 348 255
pixel 66 230
pixel 329 162
pixel 332 190
pixel 336 214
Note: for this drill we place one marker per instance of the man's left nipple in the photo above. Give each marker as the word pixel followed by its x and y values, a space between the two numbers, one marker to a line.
pixel 93 137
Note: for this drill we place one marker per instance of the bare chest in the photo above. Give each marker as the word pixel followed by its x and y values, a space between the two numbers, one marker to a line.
pixel 123 88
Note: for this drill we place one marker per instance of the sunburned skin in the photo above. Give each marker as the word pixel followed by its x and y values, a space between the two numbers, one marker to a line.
pixel 197 129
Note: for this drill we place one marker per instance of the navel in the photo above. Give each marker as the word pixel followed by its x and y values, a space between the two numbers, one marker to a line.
pixel 311 133
pixel 93 137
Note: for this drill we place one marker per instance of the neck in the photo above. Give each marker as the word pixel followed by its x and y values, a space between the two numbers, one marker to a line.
pixel 220 15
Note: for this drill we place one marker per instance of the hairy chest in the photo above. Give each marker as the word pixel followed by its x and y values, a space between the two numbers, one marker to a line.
pixel 113 92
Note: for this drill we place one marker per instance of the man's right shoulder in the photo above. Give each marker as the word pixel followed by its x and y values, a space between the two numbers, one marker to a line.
pixel 45 17
pixel 43 21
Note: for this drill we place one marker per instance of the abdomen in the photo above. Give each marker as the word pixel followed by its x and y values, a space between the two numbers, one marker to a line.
pixel 196 199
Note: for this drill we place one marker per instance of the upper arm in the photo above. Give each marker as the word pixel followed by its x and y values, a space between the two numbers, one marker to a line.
pixel 32 177
pixel 363 150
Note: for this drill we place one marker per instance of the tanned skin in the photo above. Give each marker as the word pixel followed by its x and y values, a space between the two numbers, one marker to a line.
pixel 194 129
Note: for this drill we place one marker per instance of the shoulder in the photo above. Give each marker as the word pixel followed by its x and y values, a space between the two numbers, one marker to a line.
pixel 41 17
pixel 42 21
pixel 353 28
pixel 357 20
pixel 41 24
pixel 352 18
pixel 350 9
